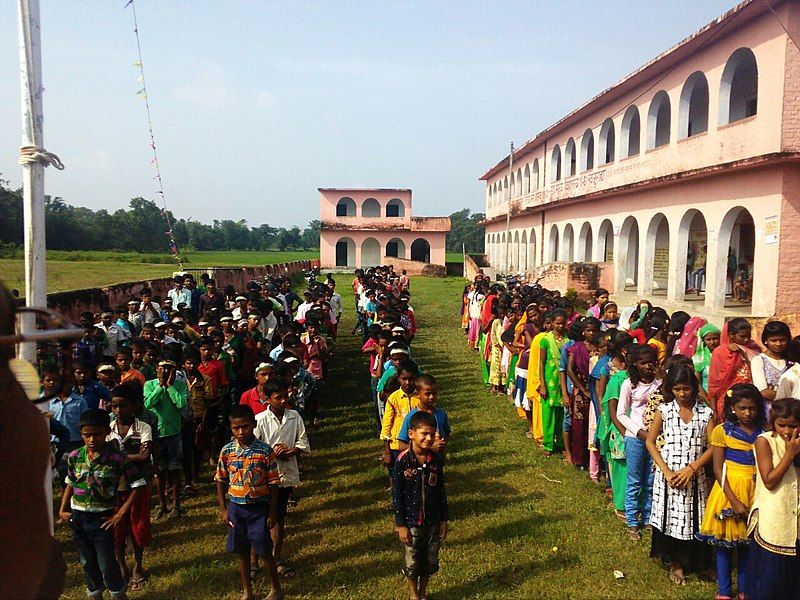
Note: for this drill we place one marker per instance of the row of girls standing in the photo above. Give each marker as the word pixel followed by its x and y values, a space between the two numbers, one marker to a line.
pixel 693 429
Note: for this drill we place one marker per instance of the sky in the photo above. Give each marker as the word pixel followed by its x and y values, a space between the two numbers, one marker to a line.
pixel 257 104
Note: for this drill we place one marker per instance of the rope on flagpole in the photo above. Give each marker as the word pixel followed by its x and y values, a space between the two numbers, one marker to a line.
pixel 142 93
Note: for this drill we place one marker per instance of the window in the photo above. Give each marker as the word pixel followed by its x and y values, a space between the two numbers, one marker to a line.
pixel 370 208
pixel 570 158
pixel 738 93
pixel 555 164
pixel 659 121
pixel 631 132
pixel 395 208
pixel 693 106
pixel 607 142
pixel 346 207
pixel 587 150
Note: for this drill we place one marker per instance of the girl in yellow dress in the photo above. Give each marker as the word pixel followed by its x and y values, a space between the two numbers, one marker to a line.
pixel 725 520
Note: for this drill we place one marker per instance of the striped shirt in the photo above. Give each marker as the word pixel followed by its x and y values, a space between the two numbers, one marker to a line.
pixel 248 471
pixel 94 482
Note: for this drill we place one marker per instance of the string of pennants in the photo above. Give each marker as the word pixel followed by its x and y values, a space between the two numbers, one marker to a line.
pixel 142 94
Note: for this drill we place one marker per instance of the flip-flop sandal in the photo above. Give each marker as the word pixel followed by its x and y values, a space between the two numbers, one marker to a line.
pixel 138 584
pixel 254 573
pixel 285 570
pixel 677 579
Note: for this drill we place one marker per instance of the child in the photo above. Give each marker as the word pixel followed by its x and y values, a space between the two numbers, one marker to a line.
pixel 427 392
pixel 578 355
pixel 609 318
pixel 398 405
pixel 94 472
pixel 421 524
pixel 140 362
pixel 679 489
pixel 768 366
pixel 707 342
pixel 598 308
pixel 496 344
pixel 657 331
pixel 124 358
pixel 283 429
pixel 255 397
pixel 66 407
pixel 134 438
pixel 633 397
pixel 166 396
pixel 198 420
pixel 247 470
pixel 772 524
pixel 724 523
pixel 550 386
pixel 531 402
pixel 96 395
pixel 730 362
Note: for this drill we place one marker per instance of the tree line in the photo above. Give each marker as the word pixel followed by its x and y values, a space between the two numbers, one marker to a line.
pixel 142 228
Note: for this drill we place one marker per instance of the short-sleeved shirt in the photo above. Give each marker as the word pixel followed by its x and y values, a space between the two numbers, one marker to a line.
pixel 167 404
pixel 95 394
pixel 215 371
pixel 248 471
pixel 68 412
pixel 131 443
pixel 398 405
pixel 95 482
pixel 289 431
pixel 442 424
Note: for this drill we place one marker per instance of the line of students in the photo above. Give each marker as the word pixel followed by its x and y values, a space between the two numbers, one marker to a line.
pixel 414 431
pixel 166 403
pixel 658 407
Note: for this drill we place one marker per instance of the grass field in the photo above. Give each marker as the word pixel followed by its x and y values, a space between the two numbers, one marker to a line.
pixel 513 533
pixel 76 270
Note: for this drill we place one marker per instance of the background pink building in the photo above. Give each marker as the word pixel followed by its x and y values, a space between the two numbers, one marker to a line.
pixel 699 149
pixel 362 226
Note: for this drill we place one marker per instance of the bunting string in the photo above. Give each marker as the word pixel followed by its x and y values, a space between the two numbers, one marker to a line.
pixel 142 94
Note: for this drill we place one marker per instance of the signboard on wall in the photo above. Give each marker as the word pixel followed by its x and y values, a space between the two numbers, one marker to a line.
pixel 771 230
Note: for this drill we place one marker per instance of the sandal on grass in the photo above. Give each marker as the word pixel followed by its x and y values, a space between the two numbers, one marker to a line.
pixel 138 584
pixel 677 577
pixel 285 570
pixel 633 534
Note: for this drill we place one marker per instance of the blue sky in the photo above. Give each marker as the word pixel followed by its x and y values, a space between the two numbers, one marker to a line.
pixel 257 104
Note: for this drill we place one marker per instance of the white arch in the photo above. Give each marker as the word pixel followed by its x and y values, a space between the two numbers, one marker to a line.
pixel 345 253
pixel 533 257
pixel 626 265
pixel 738 89
pixel 535 174
pixel 570 158
pixel 730 236
pixel 370 208
pixel 693 231
pixel 552 253
pixel 396 247
pixel 526 180
pixel 587 151
pixel 584 253
pixel 607 142
pixel 659 121
pixel 568 247
pixel 693 106
pixel 555 164
pixel 519 182
pixel 604 249
pixel 370 253
pixel 399 211
pixel 656 257
pixel 346 207
pixel 630 132
pixel 523 251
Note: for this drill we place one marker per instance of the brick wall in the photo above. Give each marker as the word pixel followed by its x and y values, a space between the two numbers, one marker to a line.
pixel 790 127
pixel 584 278
pixel 71 304
pixel 415 267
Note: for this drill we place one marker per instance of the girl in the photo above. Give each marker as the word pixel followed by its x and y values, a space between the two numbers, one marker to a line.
pixel 495 331
pixel 600 300
pixel 658 332
pixel 475 297
pixel 609 318
pixel 523 336
pixel 677 323
pixel 532 399
pixel 679 490
pixel 578 355
pixel 768 366
pixel 724 524
pixel 611 433
pixel 574 334
pixel 633 397
pixel 550 385
pixel 465 307
pixel 772 525
pixel 707 342
pixel 598 367
pixel 730 362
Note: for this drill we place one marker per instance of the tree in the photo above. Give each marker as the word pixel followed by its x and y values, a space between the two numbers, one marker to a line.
pixel 466 229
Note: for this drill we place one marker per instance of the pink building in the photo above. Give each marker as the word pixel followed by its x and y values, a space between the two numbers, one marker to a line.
pixel 362 226
pixel 699 149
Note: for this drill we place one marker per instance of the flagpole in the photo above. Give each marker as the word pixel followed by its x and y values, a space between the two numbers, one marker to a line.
pixel 30 54
pixel 508 207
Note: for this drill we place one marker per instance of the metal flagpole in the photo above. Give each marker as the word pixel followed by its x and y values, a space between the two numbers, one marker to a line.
pixel 508 208
pixel 30 53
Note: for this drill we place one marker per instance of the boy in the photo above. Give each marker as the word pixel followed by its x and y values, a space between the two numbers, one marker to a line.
pixel 133 438
pixel 421 524
pixel 427 392
pixel 65 407
pixel 166 397
pixel 94 472
pixel 96 395
pixel 398 405
pixel 197 425
pixel 140 362
pixel 284 430
pixel 116 335
pixel 124 358
pixel 247 468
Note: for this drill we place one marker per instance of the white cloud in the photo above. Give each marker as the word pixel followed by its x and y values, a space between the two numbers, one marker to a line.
pixel 208 89
pixel 265 99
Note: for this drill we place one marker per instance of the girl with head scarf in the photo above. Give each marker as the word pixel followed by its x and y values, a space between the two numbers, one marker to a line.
pixel 707 341
pixel 687 342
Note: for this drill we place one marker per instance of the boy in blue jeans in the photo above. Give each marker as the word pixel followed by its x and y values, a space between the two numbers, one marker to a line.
pixel 93 476
pixel 248 471
pixel 420 504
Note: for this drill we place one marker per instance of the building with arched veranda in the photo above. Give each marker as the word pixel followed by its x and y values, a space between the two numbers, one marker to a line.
pixel 369 227
pixel 678 179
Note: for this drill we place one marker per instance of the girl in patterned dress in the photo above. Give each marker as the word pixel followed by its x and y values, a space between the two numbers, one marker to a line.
pixel 680 487
pixel 725 520
pixel 768 366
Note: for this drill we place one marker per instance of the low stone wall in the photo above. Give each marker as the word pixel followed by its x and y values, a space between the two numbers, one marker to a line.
pixel 71 304
pixel 584 278
pixel 415 267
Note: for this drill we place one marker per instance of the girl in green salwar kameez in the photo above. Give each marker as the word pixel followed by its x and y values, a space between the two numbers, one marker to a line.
pixel 550 384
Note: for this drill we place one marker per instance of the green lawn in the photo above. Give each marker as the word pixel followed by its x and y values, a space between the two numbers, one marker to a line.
pixel 513 534
pixel 76 270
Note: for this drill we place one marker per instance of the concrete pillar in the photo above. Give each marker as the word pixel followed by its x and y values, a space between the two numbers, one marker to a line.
pixel 676 279
pixel 716 261
pixel 647 249
pixel 358 255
